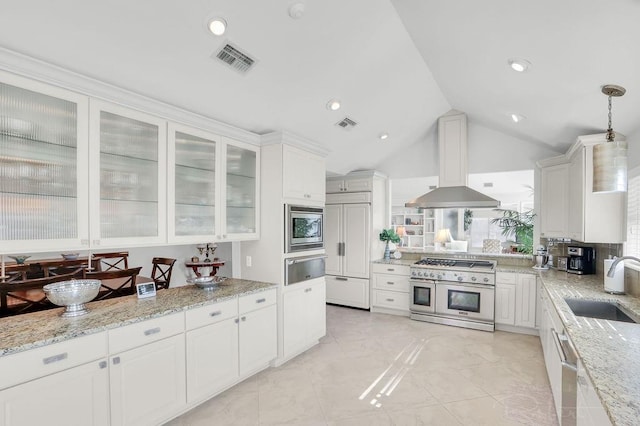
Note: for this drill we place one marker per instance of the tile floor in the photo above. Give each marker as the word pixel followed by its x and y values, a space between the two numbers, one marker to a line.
pixel 376 369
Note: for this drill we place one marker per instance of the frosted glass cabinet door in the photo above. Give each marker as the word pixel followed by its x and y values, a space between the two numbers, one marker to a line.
pixel 128 176
pixel 242 171
pixel 193 175
pixel 43 171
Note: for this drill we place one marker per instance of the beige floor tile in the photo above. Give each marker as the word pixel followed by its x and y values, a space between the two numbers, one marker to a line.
pixel 480 412
pixel 376 369
pixel 435 415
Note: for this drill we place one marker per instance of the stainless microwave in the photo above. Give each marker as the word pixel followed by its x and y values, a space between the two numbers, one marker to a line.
pixel 304 227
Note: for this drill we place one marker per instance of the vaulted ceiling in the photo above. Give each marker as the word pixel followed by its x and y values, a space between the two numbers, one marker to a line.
pixel 394 65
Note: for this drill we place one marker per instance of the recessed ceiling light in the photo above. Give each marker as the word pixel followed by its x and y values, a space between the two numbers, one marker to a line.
pixel 519 65
pixel 333 105
pixel 217 26
pixel 516 118
pixel 296 10
pixel 383 136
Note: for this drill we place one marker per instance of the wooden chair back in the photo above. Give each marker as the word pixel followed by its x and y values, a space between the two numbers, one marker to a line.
pixel 115 283
pixel 23 296
pixel 161 272
pixel 113 261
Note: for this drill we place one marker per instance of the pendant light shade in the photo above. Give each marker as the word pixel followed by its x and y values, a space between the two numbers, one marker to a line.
pixel 610 167
pixel 610 157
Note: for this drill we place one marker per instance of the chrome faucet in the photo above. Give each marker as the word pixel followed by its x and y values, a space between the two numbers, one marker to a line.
pixel 612 269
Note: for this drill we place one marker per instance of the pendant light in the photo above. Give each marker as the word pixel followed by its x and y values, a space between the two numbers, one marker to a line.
pixel 610 157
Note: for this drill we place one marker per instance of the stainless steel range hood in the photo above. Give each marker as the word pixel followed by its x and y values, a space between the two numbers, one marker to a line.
pixel 453 191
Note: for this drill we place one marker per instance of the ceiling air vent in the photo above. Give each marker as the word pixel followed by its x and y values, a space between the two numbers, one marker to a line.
pixel 346 123
pixel 235 58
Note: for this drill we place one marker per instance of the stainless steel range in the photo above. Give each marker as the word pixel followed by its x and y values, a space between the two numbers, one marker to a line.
pixel 458 292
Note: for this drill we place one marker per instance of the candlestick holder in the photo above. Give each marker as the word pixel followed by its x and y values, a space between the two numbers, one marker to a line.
pixel 206 249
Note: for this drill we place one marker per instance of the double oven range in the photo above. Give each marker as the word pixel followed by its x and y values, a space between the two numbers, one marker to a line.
pixel 459 292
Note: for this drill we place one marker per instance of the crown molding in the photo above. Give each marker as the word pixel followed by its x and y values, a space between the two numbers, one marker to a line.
pixel 289 138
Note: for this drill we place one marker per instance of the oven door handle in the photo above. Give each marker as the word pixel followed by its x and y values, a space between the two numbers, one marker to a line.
pixel 560 347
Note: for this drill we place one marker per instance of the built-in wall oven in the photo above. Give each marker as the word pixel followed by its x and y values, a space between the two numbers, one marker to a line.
pixel 304 228
pixel 458 292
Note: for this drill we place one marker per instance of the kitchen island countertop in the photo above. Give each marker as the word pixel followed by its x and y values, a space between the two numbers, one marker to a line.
pixel 29 331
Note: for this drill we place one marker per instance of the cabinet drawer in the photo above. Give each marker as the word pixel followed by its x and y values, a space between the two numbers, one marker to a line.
pixel 385 268
pixel 24 366
pixel 391 299
pixel 211 314
pixel 254 301
pixel 391 282
pixel 506 277
pixel 131 336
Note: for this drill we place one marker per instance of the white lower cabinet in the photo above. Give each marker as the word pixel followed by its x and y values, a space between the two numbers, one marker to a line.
pixel 348 291
pixel 258 340
pixel 516 299
pixel 304 315
pixel 589 408
pixel 75 397
pixel 64 383
pixel 148 383
pixel 212 349
pixel 390 288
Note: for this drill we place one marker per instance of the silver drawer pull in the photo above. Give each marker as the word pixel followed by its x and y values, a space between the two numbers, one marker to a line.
pixel 116 360
pixel 55 358
pixel 390 300
pixel 390 269
pixel 261 300
pixel 342 278
pixel 243 318
pixel 152 331
pixel 102 364
pixel 307 290
pixel 390 282
pixel 236 320
pixel 215 313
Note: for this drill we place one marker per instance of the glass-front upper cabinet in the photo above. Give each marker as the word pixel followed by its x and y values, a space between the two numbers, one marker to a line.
pixel 193 176
pixel 242 167
pixel 43 168
pixel 128 177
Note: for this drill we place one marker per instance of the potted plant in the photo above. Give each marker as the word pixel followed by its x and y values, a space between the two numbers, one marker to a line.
pixel 388 235
pixel 519 225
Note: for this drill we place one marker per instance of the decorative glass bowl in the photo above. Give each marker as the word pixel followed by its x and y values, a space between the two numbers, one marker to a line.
pixel 70 256
pixel 206 282
pixel 72 295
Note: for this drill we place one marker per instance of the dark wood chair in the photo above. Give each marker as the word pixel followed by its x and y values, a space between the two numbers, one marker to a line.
pixel 23 296
pixel 115 283
pixel 161 272
pixel 114 261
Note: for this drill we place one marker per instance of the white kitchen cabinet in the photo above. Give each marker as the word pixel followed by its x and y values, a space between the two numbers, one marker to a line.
pixel 214 187
pixel 554 199
pixel 516 299
pixel 390 288
pixel 77 396
pixel 128 178
pixel 69 381
pixel 525 301
pixel 147 371
pixel 593 217
pixel 590 411
pixel 43 167
pixel 347 232
pixel 354 184
pixel 304 320
pixel 303 175
pixel 212 349
pixel 505 312
pixel 258 340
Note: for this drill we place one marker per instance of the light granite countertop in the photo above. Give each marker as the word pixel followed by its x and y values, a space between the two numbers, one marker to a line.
pixel 609 350
pixel 29 331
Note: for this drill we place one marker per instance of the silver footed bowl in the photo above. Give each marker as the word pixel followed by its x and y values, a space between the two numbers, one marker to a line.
pixel 206 283
pixel 72 295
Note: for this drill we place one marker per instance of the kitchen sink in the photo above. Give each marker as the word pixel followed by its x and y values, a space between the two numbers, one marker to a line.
pixel 601 310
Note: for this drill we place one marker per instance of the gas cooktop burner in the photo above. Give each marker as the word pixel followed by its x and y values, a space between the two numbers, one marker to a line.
pixel 456 263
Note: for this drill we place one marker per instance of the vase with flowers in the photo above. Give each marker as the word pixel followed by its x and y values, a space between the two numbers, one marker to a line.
pixel 388 235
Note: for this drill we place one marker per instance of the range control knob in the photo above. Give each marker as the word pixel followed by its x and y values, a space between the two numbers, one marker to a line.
pixel 432 275
pixel 420 273
pixel 439 277
pixel 459 277
pixel 413 273
pixel 473 278
pixel 486 280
